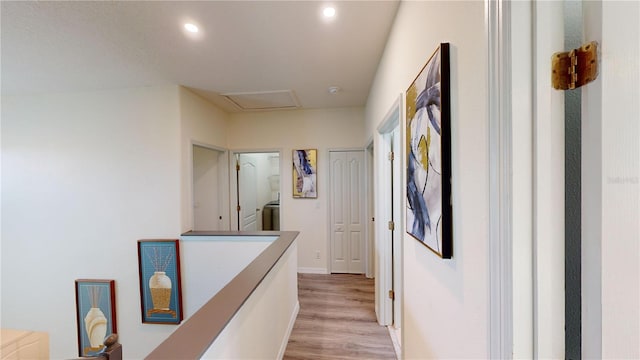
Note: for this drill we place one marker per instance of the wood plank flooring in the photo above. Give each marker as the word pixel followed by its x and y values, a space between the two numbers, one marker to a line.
pixel 337 320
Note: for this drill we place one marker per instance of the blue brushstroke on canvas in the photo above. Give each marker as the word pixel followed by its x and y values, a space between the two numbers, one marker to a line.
pixel 416 201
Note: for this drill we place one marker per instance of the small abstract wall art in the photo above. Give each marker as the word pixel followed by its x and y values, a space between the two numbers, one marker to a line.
pixel 160 287
pixel 95 313
pixel 428 126
pixel 305 173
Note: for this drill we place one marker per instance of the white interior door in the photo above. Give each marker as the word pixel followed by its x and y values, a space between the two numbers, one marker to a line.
pixel 347 212
pixel 206 189
pixel 611 185
pixel 247 193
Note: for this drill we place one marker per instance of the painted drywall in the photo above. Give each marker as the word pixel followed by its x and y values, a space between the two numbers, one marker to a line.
pixel 261 328
pixel 269 165
pixel 85 175
pixel 209 263
pixel 265 170
pixel 445 301
pixel 301 129
pixel 202 123
pixel 611 185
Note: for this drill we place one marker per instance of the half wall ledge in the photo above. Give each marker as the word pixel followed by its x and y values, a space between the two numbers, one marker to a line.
pixel 194 337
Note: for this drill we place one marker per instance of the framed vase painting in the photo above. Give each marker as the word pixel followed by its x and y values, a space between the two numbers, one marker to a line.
pixel 305 173
pixel 95 314
pixel 160 287
pixel 428 127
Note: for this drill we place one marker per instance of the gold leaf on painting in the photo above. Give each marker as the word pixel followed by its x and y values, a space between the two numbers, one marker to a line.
pixel 423 150
pixel 412 96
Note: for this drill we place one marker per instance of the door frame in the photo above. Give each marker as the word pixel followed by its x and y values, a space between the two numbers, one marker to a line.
pixel 382 184
pixel 499 54
pixel 223 177
pixel 329 261
pixel 548 196
pixel 526 294
pixel 369 159
pixel 233 185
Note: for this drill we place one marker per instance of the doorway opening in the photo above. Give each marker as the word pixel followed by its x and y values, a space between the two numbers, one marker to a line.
pixel 256 185
pixel 208 175
pixel 572 194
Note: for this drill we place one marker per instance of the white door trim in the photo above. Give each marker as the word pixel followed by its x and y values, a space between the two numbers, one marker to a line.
pixel 498 33
pixel 382 185
pixel 369 207
pixel 548 182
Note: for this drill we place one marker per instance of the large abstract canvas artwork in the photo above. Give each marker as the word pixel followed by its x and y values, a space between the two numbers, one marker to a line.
pixel 428 114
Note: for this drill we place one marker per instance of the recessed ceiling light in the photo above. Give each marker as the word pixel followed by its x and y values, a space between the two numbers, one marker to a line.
pixel 191 28
pixel 333 90
pixel 329 12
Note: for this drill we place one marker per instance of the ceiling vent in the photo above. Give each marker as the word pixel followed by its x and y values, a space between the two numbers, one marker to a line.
pixel 264 100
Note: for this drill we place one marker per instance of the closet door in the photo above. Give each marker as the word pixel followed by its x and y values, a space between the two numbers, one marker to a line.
pixel 347 211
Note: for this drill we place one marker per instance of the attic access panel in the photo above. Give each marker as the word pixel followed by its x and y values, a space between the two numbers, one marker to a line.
pixel 264 100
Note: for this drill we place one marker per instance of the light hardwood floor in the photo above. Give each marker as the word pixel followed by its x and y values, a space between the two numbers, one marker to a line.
pixel 337 320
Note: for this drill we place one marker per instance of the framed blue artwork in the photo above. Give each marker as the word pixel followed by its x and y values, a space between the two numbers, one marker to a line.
pixel 428 116
pixel 160 287
pixel 95 313
pixel 305 173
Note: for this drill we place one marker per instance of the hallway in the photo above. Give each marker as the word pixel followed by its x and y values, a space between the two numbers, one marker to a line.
pixel 337 320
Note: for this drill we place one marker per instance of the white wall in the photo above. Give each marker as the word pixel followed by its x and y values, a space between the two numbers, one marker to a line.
pixel 261 328
pixel 85 175
pixel 204 124
pixel 264 171
pixel 209 263
pixel 303 129
pixel 445 301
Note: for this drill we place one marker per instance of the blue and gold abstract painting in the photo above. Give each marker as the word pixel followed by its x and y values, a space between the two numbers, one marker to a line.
pixel 428 214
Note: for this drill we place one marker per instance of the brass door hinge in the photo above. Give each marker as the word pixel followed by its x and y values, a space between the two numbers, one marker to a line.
pixel 571 70
pixel 238 207
pixel 392 225
pixel 391 156
pixel 392 295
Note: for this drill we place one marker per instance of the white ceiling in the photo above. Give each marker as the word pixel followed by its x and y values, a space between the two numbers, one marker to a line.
pixel 243 46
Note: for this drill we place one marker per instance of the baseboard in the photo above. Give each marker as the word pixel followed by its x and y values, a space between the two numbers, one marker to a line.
pixel 396 339
pixel 308 270
pixel 292 321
